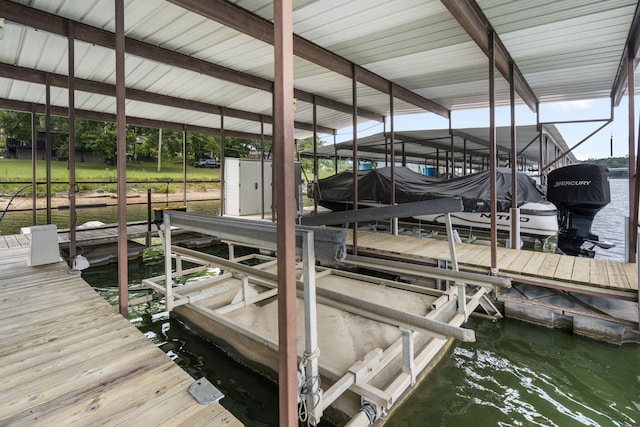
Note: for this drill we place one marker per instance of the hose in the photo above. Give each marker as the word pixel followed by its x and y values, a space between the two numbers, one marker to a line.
pixel 10 201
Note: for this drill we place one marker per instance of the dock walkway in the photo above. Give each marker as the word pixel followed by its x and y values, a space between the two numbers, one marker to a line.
pixel 610 278
pixel 593 297
pixel 69 358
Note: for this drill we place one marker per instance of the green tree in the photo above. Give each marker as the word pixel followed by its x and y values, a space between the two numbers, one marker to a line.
pixel 16 125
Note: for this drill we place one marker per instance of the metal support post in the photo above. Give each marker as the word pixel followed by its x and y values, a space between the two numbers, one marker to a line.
pixel 514 237
pixel 311 386
pixel 178 265
pixel 245 289
pixel 408 361
pixel 460 286
pixel 166 222
pixel 232 254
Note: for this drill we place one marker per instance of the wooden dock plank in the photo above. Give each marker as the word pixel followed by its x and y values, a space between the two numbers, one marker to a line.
pixel 534 265
pixel 471 257
pixel 598 272
pixel 631 271
pixel 581 270
pixel 564 270
pixel 537 265
pixel 519 262
pixel 69 358
pixel 12 242
pixel 507 259
pixel 616 276
pixel 549 265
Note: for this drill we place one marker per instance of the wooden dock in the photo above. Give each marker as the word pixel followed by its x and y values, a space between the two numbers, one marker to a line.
pixel 594 298
pixel 609 278
pixel 69 358
pixel 107 233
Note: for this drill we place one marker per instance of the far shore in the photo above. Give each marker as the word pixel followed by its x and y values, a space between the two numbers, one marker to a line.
pixel 95 197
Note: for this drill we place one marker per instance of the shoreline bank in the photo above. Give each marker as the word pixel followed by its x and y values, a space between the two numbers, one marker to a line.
pixel 101 197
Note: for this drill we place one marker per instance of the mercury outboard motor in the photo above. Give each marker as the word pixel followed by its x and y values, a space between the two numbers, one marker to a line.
pixel 579 192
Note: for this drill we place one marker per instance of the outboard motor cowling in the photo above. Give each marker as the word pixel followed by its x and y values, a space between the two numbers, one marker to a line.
pixel 579 192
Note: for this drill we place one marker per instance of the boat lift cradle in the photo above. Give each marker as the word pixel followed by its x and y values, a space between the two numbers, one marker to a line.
pixel 327 244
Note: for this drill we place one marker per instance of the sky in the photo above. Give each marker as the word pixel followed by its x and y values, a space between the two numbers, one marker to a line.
pixel 598 146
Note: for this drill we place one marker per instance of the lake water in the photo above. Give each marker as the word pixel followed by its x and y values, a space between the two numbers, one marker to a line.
pixel 609 223
pixel 513 375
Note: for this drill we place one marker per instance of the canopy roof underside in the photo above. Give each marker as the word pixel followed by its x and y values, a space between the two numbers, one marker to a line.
pixel 189 63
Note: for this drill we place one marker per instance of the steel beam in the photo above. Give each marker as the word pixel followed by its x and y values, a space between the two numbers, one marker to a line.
pixel 631 48
pixel 40 77
pixel 233 16
pixel 34 163
pixel 47 125
pixel 9 104
pixel 121 159
pixel 284 179
pixel 55 24
pixel 634 177
pixel 477 25
pixel 493 201
pixel 354 147
pixel 72 140
pixel 515 212
pixel 329 243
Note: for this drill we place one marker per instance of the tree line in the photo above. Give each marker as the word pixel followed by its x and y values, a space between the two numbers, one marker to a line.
pixel 142 143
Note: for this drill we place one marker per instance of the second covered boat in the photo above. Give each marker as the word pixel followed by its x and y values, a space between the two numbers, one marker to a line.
pixel 537 215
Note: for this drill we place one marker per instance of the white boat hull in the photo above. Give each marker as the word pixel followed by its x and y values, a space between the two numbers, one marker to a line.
pixel 536 220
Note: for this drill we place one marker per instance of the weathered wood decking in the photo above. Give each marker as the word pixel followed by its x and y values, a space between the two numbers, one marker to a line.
pixel 610 277
pixel 105 234
pixel 67 357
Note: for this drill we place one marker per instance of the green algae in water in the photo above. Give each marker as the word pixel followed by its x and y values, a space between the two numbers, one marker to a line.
pixel 521 375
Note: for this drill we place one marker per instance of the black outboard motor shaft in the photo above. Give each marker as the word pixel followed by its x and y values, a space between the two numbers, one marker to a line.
pixel 579 192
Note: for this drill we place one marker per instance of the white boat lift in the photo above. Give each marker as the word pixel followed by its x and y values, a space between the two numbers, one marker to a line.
pixel 381 373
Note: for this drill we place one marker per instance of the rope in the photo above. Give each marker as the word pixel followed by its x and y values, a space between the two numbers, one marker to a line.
pixel 308 387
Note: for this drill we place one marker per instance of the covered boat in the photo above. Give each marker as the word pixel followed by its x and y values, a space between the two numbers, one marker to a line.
pixel 537 215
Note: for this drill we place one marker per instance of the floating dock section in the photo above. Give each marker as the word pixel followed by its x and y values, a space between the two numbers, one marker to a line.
pixel 68 358
pixel 591 297
pixel 363 341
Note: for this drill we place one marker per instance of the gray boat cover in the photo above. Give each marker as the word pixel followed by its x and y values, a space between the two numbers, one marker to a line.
pixel 375 186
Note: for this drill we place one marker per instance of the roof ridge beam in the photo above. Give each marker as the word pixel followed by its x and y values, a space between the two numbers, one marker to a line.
pixel 39 77
pixel 28 107
pixel 477 25
pixel 35 18
pixel 246 22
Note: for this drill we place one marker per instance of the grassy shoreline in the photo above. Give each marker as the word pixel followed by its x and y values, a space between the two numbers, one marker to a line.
pixel 16 174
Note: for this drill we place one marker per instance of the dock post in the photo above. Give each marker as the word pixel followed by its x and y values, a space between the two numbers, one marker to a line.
pixel 178 265
pixel 311 386
pixel 460 287
pixel 147 239
pixel 166 222
pixel 408 361
pixel 514 237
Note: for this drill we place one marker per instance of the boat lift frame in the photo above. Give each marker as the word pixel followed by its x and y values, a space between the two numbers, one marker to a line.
pixel 325 244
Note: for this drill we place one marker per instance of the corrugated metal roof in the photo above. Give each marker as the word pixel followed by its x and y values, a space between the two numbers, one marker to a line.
pixel 432 145
pixel 567 50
